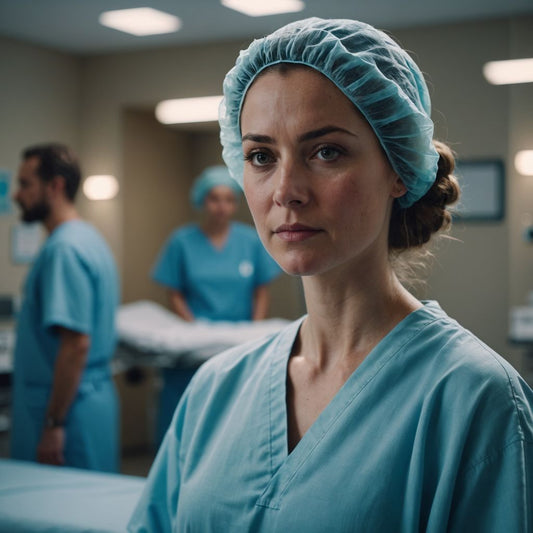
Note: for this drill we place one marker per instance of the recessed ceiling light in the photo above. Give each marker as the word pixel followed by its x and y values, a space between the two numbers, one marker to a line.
pixel 140 21
pixel 510 71
pixel 261 8
pixel 188 110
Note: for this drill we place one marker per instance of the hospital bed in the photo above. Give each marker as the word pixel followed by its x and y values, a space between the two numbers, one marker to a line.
pixel 41 498
pixel 150 335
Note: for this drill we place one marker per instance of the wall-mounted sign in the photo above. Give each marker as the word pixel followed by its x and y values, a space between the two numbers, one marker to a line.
pixel 5 196
pixel 482 190
pixel 26 240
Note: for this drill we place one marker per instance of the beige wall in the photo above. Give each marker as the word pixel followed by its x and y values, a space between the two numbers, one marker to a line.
pixel 39 102
pixel 476 277
pixel 154 198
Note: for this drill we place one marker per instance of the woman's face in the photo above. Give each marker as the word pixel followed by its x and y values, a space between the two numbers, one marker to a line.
pixel 220 204
pixel 317 182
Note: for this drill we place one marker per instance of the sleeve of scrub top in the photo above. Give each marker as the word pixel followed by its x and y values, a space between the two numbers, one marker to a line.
pixel 169 265
pixel 67 292
pixel 157 507
pixel 496 492
pixel 266 269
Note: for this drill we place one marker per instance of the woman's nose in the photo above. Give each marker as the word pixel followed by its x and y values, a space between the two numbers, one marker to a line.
pixel 292 187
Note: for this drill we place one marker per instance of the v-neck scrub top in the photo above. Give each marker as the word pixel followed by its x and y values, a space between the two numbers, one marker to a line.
pixel 217 284
pixel 432 432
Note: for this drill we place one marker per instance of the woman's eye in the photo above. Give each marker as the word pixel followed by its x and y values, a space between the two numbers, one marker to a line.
pixel 258 158
pixel 328 153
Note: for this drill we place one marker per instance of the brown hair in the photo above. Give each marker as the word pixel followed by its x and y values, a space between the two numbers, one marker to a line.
pixel 413 227
pixel 56 159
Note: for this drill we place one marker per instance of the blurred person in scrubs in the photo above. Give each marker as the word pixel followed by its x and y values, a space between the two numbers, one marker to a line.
pixel 214 270
pixel 65 408
pixel 374 412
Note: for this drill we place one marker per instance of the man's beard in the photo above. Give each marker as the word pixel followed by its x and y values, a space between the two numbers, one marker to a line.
pixel 37 213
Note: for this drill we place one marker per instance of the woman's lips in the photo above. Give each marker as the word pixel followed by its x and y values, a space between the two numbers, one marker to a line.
pixel 295 232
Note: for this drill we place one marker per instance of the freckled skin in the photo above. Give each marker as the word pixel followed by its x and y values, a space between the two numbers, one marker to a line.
pixel 312 159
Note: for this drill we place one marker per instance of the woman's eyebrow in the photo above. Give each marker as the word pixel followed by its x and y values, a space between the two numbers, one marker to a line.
pixel 314 134
pixel 308 136
pixel 255 137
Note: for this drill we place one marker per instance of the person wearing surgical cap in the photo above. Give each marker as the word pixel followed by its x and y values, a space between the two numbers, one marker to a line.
pixel 375 411
pixel 217 270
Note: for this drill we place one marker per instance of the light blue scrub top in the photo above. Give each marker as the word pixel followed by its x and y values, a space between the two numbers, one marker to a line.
pixel 73 284
pixel 218 284
pixel 432 432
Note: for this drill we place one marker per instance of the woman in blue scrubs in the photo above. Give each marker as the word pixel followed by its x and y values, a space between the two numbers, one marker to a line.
pixel 216 270
pixel 374 412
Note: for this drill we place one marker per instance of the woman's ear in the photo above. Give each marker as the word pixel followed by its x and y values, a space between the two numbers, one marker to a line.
pixel 398 187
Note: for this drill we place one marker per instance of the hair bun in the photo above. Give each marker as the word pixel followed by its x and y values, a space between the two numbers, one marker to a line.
pixel 414 226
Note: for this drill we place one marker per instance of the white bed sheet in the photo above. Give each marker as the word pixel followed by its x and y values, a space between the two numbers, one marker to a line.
pixel 148 327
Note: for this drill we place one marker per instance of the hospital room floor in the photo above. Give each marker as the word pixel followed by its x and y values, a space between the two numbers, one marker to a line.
pixel 137 463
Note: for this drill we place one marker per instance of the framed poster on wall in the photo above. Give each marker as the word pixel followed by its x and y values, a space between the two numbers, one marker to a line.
pixel 482 190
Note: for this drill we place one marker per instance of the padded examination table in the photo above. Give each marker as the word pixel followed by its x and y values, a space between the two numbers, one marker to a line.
pixel 151 335
pixel 40 498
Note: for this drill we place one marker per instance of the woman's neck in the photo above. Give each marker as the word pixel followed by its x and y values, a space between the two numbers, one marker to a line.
pixel 216 232
pixel 348 316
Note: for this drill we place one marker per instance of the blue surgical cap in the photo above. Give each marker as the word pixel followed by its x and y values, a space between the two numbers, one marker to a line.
pixel 374 72
pixel 209 178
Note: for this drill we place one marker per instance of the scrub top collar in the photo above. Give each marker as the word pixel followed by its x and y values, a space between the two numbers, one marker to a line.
pixel 387 348
pixel 285 465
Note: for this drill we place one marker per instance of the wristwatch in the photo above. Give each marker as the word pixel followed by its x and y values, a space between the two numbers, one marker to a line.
pixel 52 422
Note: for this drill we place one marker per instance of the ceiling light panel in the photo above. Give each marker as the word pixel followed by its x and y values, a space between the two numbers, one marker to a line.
pixel 508 72
pixel 188 110
pixel 140 21
pixel 261 8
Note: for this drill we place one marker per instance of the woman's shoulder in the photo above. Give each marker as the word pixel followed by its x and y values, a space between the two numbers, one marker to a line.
pixel 183 233
pixel 466 376
pixel 246 361
pixel 186 229
pixel 456 346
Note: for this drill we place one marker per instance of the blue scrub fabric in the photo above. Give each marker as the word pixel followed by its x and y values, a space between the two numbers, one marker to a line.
pixel 218 284
pixel 74 284
pixel 432 432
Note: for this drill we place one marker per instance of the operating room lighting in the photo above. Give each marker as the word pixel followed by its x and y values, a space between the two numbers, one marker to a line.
pixel 140 21
pixel 101 187
pixel 509 72
pixel 261 8
pixel 188 110
pixel 523 162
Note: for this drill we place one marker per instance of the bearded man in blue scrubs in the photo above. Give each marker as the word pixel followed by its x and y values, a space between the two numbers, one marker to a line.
pixel 65 408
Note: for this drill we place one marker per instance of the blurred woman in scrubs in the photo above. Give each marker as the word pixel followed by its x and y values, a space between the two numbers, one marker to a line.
pixel 215 270
pixel 374 412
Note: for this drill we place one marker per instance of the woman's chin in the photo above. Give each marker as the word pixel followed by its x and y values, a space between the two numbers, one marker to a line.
pixel 298 268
